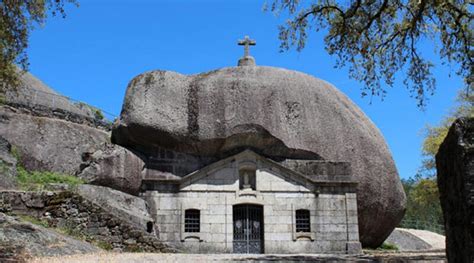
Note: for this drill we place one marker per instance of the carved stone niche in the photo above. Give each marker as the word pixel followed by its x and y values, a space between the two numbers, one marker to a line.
pixel 247 177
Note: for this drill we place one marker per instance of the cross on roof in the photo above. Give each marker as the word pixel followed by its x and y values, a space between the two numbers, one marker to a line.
pixel 246 42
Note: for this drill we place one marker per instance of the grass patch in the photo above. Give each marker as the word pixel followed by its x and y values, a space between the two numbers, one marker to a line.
pixel 103 245
pixel 37 181
pixel 4 167
pixel 16 153
pixel 71 232
pixel 135 248
pixel 98 114
pixel 388 246
pixel 33 220
pixel 68 231
pixel 80 235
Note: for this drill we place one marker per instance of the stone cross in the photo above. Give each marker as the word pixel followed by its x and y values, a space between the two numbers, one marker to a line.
pixel 246 42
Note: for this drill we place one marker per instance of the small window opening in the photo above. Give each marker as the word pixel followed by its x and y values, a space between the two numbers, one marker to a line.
pixel 247 179
pixel 192 218
pixel 303 223
pixel 149 227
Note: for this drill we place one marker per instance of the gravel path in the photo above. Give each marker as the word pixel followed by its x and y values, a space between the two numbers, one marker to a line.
pixel 197 258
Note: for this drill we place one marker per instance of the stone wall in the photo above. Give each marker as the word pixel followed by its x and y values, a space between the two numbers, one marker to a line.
pixel 78 216
pixel 455 169
pixel 333 221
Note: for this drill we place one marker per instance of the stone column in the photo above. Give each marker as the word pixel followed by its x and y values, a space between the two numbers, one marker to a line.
pixel 353 246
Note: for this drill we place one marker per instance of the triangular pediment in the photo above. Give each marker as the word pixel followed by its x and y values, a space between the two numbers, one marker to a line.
pixel 224 171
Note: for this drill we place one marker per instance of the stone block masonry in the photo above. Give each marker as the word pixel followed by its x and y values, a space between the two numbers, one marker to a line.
pixel 334 225
pixel 74 214
pixel 284 212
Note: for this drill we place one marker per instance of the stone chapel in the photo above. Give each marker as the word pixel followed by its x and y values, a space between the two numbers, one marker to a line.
pixel 253 159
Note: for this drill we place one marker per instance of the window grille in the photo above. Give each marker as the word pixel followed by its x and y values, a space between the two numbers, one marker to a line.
pixel 303 223
pixel 192 218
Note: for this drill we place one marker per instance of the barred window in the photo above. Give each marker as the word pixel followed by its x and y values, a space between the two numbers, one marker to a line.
pixel 192 218
pixel 303 223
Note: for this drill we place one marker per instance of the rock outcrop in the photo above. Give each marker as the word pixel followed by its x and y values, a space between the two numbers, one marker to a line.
pixel 455 170
pixel 49 144
pixel 7 165
pixel 277 113
pixel 35 98
pixel 129 208
pixel 115 167
pixel 416 240
pixel 17 236
pixel 49 131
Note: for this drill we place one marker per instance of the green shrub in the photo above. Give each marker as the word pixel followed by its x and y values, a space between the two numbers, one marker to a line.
pixel 98 114
pixel 16 153
pixel 102 244
pixel 388 246
pixel 3 167
pixel 72 232
pixel 33 220
pixel 3 99
pixel 35 181
pixel 81 235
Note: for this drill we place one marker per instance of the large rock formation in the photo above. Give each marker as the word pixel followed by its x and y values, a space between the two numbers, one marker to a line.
pixel 7 165
pixel 115 167
pixel 49 131
pixel 36 98
pixel 278 113
pixel 455 169
pixel 49 144
pixel 124 206
pixel 17 236
pixel 416 240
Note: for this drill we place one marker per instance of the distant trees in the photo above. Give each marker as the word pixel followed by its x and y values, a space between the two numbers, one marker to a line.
pixel 378 38
pixel 422 191
pixel 17 19
pixel 435 134
pixel 423 205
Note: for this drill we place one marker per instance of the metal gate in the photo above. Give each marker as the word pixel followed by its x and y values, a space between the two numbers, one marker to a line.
pixel 248 229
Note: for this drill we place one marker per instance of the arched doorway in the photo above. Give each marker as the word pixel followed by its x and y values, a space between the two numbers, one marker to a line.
pixel 248 229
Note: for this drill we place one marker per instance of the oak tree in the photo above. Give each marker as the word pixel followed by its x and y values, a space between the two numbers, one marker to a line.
pixel 423 205
pixel 17 19
pixel 434 135
pixel 378 38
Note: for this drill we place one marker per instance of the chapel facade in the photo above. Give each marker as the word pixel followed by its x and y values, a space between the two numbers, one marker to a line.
pixel 247 203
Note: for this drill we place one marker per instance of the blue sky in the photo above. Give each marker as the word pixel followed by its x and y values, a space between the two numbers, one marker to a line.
pixel 101 45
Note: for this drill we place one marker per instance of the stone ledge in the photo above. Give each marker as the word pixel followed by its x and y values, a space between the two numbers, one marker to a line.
pixel 58 113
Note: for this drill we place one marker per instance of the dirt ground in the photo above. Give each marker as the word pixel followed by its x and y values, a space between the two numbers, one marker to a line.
pixel 197 258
